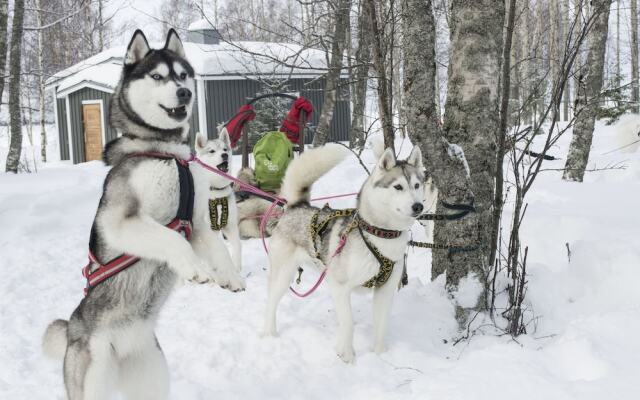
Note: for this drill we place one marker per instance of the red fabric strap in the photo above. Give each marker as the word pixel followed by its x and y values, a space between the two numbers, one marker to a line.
pixel 235 124
pixel 291 124
pixel 124 261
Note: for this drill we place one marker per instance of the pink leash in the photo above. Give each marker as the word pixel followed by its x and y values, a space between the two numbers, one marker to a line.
pixel 268 214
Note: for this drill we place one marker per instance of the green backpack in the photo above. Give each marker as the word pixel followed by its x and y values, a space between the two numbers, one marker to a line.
pixel 273 153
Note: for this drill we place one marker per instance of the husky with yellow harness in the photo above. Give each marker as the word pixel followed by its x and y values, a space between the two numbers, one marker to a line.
pixel 223 212
pixel 360 247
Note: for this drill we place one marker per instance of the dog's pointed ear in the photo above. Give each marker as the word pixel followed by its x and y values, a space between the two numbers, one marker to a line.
pixel 201 141
pixel 137 49
pixel 224 136
pixel 174 43
pixel 388 160
pixel 415 158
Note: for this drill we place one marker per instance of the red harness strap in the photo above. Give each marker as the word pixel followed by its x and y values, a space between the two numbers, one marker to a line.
pixel 181 223
pixel 124 261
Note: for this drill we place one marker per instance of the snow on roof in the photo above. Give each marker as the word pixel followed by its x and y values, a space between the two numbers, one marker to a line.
pixel 200 25
pixel 238 59
pixel 102 75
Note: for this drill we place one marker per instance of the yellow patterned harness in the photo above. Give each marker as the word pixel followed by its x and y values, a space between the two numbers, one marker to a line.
pixel 219 220
pixel 318 228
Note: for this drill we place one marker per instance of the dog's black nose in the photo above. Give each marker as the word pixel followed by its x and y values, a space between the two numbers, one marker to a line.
pixel 184 95
pixel 417 208
pixel 225 156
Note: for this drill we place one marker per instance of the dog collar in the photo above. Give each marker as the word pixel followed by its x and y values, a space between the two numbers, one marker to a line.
pixel 379 232
pixel 219 188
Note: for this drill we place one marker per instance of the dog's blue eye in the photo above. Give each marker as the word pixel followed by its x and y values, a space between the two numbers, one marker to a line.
pixel 398 187
pixel 157 77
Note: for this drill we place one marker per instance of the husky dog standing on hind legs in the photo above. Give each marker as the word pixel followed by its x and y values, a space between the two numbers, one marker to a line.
pixel 360 247
pixel 109 340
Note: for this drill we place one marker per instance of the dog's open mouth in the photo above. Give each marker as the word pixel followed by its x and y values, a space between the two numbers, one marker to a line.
pixel 179 112
pixel 223 166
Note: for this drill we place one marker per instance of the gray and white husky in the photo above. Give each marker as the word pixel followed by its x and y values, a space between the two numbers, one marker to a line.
pixel 217 153
pixel 109 343
pixel 391 198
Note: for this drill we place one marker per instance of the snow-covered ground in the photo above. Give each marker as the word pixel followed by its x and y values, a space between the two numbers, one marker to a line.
pixel 587 311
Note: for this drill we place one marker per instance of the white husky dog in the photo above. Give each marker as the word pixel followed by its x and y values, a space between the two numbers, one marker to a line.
pixel 223 212
pixel 376 237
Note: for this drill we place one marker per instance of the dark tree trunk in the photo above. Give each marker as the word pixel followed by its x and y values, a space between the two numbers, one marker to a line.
pixel 588 96
pixel 502 132
pixel 361 78
pixel 15 147
pixel 384 103
pixel 4 13
pixel 332 85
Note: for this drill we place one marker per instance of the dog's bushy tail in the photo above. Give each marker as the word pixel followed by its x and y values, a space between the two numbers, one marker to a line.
pixel 54 342
pixel 308 168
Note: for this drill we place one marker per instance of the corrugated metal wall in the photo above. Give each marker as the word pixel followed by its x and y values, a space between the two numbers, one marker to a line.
pixel 194 124
pixel 77 129
pixel 226 96
pixel 63 137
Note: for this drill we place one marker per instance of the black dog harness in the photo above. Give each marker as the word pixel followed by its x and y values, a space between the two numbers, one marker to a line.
pixel 181 223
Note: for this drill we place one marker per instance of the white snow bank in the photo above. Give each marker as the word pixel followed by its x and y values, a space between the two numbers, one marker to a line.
pixel 587 311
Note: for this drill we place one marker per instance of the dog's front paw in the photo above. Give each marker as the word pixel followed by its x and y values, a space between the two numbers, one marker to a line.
pixel 346 354
pixel 193 269
pixel 380 348
pixel 233 282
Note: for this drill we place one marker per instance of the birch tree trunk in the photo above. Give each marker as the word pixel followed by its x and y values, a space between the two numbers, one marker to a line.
pixel 41 80
pixel 471 121
pixel 555 43
pixel 587 102
pixel 332 82
pixel 384 108
pixel 578 64
pixel 15 147
pixel 100 26
pixel 634 55
pixel 566 30
pixel 4 19
pixel 361 78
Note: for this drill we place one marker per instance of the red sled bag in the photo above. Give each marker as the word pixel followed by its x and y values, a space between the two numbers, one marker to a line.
pixel 290 126
pixel 234 126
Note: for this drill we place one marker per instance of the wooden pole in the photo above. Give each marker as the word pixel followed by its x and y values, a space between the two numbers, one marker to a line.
pixel 245 148
pixel 302 123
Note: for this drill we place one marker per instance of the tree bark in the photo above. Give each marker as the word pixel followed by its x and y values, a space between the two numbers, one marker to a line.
pixel 4 13
pixel 361 78
pixel 41 81
pixel 565 30
pixel 384 109
pixel 634 55
pixel 332 82
pixel 502 132
pixel 15 148
pixel 471 121
pixel 587 101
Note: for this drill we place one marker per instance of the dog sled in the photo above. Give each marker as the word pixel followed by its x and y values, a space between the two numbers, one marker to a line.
pixel 272 154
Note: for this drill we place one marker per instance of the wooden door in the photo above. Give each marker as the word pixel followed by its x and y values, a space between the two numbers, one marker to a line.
pixel 92 122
